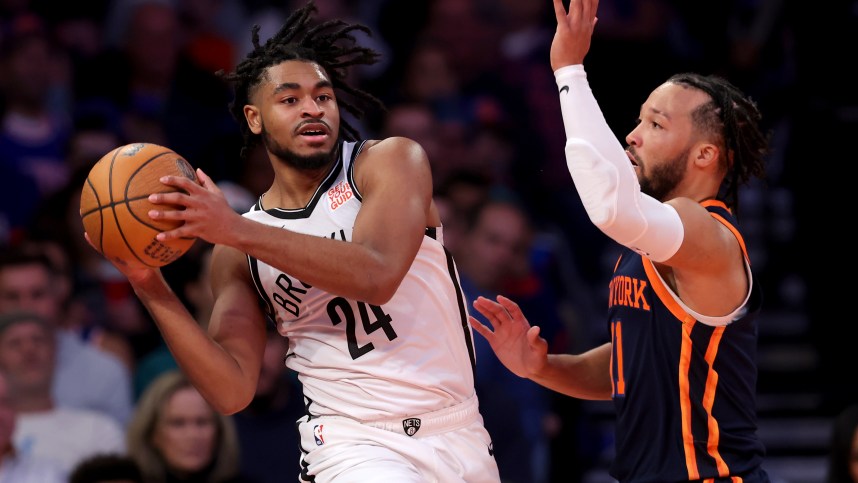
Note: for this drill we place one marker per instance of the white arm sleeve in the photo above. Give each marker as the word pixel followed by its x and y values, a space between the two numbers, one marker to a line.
pixel 605 178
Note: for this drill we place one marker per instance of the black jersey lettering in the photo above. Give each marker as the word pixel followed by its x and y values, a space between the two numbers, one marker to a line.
pixel 294 292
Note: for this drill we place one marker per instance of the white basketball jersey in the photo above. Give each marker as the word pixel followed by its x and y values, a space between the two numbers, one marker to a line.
pixel 409 356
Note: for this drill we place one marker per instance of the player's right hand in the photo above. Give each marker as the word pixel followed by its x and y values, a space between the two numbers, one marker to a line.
pixel 134 272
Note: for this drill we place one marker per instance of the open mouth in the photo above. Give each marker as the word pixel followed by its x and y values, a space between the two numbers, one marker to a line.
pixel 631 158
pixel 313 129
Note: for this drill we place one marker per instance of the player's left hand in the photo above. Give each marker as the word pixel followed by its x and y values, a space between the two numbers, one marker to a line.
pixel 574 32
pixel 517 345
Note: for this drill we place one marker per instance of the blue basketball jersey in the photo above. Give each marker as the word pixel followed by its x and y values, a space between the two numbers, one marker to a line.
pixel 684 391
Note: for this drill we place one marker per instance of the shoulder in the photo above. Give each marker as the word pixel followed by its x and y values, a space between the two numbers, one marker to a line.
pixel 393 149
pixel 695 215
pixel 391 158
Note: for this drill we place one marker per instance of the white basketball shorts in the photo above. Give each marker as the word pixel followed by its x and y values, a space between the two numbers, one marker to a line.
pixel 446 446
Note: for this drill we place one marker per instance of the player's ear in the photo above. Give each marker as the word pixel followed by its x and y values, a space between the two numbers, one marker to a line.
pixel 706 154
pixel 254 121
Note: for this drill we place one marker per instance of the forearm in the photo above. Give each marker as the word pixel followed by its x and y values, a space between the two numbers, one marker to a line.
pixel 348 269
pixel 583 376
pixel 211 369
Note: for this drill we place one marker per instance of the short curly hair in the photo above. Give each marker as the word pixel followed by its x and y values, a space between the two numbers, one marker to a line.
pixel 330 44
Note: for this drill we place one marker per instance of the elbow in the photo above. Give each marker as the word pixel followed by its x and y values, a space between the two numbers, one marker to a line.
pixel 379 295
pixel 381 289
pixel 235 402
pixel 600 217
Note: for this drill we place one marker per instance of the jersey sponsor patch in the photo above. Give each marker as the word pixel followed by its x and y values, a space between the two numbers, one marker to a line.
pixel 339 194
pixel 411 425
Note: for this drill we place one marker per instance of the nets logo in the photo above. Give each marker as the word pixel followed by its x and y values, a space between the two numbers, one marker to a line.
pixel 411 425
pixel 339 194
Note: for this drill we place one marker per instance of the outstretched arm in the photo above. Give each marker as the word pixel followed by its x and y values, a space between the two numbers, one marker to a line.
pixel 708 266
pixel 520 348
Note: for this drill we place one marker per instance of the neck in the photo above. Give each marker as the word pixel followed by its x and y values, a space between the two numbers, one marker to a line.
pixel 293 187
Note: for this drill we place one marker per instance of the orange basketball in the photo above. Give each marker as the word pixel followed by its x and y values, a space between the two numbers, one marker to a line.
pixel 114 204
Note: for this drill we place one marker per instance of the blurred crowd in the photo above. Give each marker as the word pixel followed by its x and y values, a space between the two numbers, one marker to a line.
pixel 88 387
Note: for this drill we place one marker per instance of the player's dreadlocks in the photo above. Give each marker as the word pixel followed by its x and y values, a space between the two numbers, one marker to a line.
pixel 329 44
pixel 736 118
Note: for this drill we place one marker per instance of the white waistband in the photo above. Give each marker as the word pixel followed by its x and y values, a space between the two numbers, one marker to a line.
pixel 434 422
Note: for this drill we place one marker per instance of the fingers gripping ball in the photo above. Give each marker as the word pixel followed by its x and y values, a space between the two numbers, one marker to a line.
pixel 114 205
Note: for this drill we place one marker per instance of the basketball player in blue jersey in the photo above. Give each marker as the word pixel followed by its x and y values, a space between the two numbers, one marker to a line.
pixel 680 366
pixel 344 255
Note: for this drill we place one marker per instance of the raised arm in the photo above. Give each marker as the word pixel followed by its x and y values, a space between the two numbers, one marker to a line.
pixel 602 172
pixel 669 227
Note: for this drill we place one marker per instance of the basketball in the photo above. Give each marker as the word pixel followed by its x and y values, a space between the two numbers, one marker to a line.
pixel 114 205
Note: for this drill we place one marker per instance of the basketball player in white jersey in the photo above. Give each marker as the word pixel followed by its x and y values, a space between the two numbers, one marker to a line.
pixel 344 255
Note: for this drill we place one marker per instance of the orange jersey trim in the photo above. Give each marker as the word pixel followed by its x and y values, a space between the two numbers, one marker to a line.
pixel 709 401
pixel 621 381
pixel 685 403
pixel 684 364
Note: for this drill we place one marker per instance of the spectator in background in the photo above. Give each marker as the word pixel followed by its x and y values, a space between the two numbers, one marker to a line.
pixel 429 80
pixel 32 135
pixel 415 120
pixel 467 190
pixel 176 436
pixel 204 42
pixel 843 452
pixel 162 95
pixel 14 466
pixel 101 308
pixel 84 377
pixel 266 428
pixel 106 468
pixel 517 411
pixel 45 430
pixel 83 314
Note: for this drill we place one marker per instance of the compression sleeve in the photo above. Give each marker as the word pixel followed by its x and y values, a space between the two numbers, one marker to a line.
pixel 605 179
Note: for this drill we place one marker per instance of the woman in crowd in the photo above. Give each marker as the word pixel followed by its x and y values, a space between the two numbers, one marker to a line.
pixel 176 437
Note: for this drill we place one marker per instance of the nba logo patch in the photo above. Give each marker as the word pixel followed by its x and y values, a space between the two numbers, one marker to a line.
pixel 339 194
pixel 317 434
pixel 411 425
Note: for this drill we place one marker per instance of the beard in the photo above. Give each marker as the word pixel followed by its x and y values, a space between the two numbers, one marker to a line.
pixel 664 178
pixel 291 158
